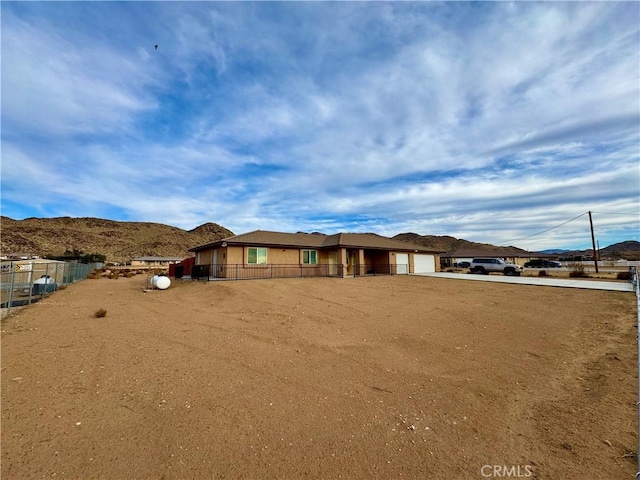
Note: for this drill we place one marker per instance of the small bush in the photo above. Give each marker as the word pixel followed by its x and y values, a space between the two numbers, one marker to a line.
pixel 577 270
pixel 578 274
pixel 94 274
pixel 623 276
pixel 542 273
pixel 101 313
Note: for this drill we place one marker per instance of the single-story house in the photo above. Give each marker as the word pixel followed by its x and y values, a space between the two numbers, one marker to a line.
pixel 154 262
pixel 265 254
pixel 517 256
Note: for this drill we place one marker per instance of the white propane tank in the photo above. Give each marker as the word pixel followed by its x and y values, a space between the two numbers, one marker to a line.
pixel 154 279
pixel 162 283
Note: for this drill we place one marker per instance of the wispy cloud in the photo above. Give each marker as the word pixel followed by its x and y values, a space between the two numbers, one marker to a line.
pixel 488 121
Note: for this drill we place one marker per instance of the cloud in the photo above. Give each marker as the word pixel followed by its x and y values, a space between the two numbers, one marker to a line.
pixel 487 121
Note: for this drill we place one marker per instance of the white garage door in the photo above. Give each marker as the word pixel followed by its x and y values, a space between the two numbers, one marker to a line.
pixel 402 263
pixel 424 263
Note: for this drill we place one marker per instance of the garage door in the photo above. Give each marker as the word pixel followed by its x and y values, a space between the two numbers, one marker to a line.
pixel 424 263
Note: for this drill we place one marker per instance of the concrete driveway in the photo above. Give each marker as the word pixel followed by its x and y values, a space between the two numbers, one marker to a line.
pixel 546 282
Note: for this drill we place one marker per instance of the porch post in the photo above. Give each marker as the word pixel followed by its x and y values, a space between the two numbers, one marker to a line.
pixel 362 269
pixel 342 261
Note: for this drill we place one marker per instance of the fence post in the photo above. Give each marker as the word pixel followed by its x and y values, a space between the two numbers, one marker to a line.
pixel 236 271
pixel 31 283
pixel 11 282
pixel 636 285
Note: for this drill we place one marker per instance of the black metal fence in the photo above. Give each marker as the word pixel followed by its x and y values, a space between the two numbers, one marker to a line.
pixel 23 283
pixel 379 269
pixel 252 272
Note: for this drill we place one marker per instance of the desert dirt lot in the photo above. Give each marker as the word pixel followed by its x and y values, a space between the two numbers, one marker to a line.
pixel 385 377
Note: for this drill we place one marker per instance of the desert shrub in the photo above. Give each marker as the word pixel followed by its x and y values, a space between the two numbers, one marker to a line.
pixel 94 274
pixel 130 274
pixel 114 276
pixel 623 276
pixel 578 274
pixel 100 313
pixel 577 270
pixel 542 273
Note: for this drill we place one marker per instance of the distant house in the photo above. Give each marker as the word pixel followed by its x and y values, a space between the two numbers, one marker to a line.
pixel 19 256
pixel 266 254
pixel 517 256
pixel 154 262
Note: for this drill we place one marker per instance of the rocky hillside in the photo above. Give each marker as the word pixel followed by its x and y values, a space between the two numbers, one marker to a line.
pixel 119 241
pixel 449 244
pixel 629 250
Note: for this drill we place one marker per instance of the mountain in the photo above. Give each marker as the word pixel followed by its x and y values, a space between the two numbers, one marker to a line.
pixel 122 241
pixel 629 250
pixel 119 241
pixel 450 244
pixel 629 247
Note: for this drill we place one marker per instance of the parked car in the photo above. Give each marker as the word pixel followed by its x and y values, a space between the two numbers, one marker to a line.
pixel 485 266
pixel 542 263
pixel 462 264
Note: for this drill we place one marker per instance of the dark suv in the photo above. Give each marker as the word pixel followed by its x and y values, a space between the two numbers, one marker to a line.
pixel 542 263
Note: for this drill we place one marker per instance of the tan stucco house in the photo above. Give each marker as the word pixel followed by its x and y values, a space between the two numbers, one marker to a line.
pixel 265 254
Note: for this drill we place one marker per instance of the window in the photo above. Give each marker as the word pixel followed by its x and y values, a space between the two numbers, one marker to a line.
pixel 310 257
pixel 257 256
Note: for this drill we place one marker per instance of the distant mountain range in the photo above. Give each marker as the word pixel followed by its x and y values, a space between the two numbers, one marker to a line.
pixel 629 250
pixel 122 241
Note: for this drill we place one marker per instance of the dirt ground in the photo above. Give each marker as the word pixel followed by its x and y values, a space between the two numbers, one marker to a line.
pixel 385 377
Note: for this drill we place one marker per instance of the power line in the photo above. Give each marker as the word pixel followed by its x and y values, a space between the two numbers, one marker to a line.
pixel 547 230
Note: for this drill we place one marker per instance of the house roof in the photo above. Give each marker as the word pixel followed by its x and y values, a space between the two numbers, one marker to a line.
pixel 316 241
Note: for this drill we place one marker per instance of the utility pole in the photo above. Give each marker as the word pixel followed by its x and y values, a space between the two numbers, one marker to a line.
pixel 593 243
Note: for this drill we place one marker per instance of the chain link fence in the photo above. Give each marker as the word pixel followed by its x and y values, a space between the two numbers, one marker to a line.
pixel 25 282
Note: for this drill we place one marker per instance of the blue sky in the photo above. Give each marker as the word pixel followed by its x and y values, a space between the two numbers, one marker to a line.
pixel 490 121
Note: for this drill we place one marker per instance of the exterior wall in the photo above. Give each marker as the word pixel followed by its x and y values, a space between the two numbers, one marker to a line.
pixel 323 256
pixel 235 255
pixel 281 256
pixel 204 257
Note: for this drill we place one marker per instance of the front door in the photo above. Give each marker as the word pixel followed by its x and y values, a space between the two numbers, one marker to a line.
pixel 402 263
pixel 333 263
